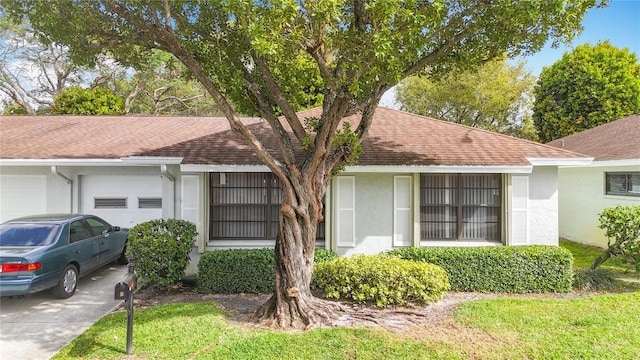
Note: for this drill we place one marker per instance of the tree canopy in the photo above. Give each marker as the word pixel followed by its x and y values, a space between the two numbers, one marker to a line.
pixel 589 86
pixel 264 53
pixel 496 96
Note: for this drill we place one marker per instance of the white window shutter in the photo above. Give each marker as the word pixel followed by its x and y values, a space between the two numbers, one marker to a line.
pixel 190 196
pixel 519 210
pixel 402 211
pixel 345 217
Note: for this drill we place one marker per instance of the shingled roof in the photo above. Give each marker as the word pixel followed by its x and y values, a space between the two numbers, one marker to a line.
pixel 615 140
pixel 396 138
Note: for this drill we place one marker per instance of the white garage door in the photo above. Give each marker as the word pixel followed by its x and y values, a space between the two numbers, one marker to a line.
pixel 124 200
pixel 22 195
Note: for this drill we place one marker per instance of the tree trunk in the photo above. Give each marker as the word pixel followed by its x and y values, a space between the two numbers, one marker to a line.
pixel 292 304
pixel 600 260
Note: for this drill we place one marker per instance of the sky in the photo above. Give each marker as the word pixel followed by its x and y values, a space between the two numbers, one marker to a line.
pixel 619 23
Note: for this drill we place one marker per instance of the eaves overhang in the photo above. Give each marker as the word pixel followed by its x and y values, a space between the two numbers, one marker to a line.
pixel 572 161
pixel 407 169
pixel 129 161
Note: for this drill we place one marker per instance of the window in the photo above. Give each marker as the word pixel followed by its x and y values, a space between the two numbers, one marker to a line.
pixel 623 183
pixel 460 206
pixel 77 231
pixel 97 227
pixel 246 206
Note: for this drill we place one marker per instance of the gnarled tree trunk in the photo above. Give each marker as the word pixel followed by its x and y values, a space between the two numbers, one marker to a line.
pixel 293 304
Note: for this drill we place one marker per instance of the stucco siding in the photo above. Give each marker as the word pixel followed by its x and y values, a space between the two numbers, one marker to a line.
pixel 543 206
pixel 582 198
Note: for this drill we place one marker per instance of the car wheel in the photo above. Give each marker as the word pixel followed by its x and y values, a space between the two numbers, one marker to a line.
pixel 67 284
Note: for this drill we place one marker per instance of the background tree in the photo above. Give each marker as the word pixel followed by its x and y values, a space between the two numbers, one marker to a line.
pixel 162 86
pixel 589 86
pixel 75 100
pixel 254 51
pixel 34 69
pixel 496 96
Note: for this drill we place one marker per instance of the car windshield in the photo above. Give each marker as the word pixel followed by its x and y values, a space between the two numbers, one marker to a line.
pixel 24 234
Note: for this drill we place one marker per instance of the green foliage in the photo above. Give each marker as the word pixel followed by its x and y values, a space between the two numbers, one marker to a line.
pixel 236 271
pixel 160 250
pixel 242 270
pixel 381 280
pixel 14 109
pixel 622 227
pixel 589 86
pixel 511 269
pixel 599 279
pixel 495 96
pixel 75 100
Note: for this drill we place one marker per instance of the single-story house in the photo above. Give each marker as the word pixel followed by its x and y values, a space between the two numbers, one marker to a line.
pixel 419 182
pixel 613 178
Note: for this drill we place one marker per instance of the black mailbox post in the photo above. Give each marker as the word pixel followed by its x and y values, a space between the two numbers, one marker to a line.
pixel 124 291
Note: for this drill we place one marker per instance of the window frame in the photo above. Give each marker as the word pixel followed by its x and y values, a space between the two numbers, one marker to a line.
pixel 627 191
pixel 459 205
pixel 270 206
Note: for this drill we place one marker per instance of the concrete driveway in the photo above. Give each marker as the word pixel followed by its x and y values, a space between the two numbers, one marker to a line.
pixel 38 326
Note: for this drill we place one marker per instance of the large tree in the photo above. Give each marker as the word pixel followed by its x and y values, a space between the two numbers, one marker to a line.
pixel 496 96
pixel 253 51
pixel 587 87
pixel 32 73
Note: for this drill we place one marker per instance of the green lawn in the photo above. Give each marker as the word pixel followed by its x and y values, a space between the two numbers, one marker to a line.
pixel 584 255
pixel 511 327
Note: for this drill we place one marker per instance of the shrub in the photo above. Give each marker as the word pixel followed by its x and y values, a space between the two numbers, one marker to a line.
pixel 512 269
pixel 242 270
pixel 381 280
pixel 622 227
pixel 594 279
pixel 160 250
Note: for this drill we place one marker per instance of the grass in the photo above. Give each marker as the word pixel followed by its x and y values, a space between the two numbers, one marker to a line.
pixel 589 327
pixel 583 257
pixel 598 327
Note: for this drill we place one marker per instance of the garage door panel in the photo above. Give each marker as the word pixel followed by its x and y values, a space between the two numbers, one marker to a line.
pixel 122 200
pixel 22 195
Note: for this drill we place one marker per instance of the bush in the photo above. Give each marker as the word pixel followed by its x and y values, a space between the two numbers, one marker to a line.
pixel 594 279
pixel 380 279
pixel 511 269
pixel 242 270
pixel 160 250
pixel 621 224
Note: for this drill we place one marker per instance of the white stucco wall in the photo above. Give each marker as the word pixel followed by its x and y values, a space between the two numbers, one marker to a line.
pixel 543 206
pixel 582 198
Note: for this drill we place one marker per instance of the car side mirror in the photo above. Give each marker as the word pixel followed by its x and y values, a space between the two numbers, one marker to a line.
pixel 115 228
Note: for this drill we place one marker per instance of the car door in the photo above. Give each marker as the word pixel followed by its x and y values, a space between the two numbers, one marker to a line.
pixel 110 247
pixel 83 246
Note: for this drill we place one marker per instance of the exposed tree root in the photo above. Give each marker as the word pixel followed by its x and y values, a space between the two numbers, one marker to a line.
pixel 300 312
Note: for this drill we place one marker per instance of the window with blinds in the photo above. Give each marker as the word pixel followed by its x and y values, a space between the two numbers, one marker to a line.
pixel 246 206
pixel 460 206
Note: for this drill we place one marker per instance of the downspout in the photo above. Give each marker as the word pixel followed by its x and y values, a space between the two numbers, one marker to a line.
pixel 165 173
pixel 54 171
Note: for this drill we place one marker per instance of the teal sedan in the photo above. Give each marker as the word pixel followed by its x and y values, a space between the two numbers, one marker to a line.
pixel 53 251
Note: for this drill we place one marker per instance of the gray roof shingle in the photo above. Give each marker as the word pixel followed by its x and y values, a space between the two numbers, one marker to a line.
pixel 395 138
pixel 615 140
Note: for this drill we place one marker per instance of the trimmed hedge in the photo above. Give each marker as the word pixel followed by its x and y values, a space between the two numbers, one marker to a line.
pixel 242 270
pixel 161 249
pixel 510 269
pixel 381 280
